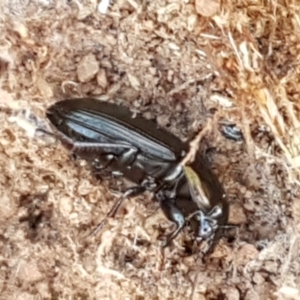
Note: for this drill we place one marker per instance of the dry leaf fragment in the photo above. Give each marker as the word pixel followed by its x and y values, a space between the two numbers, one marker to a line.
pixel 103 6
pixel 102 79
pixel 222 100
pixel 232 293
pixel 237 215
pixel 191 22
pixel 287 292
pixel 87 68
pixel 24 296
pixel 113 89
pixel 84 13
pixel 295 162
pixel 246 253
pixel 134 82
pixel 207 8
pixel 29 272
pixel 44 88
pixel 7 207
pixel 21 29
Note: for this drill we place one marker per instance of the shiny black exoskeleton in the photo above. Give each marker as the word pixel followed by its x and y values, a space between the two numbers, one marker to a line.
pixel 108 136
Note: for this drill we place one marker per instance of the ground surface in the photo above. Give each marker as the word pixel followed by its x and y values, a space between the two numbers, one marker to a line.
pixel 178 62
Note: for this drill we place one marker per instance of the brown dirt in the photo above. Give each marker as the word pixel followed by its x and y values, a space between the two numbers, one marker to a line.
pixel 178 61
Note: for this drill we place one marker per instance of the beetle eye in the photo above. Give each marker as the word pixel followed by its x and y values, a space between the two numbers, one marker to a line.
pixel 206 230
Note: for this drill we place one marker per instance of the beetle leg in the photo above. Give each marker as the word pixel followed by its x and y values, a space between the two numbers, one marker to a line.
pixel 134 191
pixel 73 156
pixel 127 157
pixel 96 163
pixel 44 131
pixel 131 192
pixel 174 215
pixel 110 214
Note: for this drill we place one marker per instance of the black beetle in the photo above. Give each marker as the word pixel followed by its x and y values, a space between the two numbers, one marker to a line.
pixel 231 132
pixel 108 136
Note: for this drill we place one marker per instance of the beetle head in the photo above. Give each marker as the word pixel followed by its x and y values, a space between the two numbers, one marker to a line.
pixel 208 223
pixel 212 210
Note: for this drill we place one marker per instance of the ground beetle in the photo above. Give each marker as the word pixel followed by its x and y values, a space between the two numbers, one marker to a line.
pixel 108 136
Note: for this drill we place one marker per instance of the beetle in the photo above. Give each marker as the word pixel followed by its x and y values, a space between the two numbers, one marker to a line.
pixel 109 137
pixel 231 132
